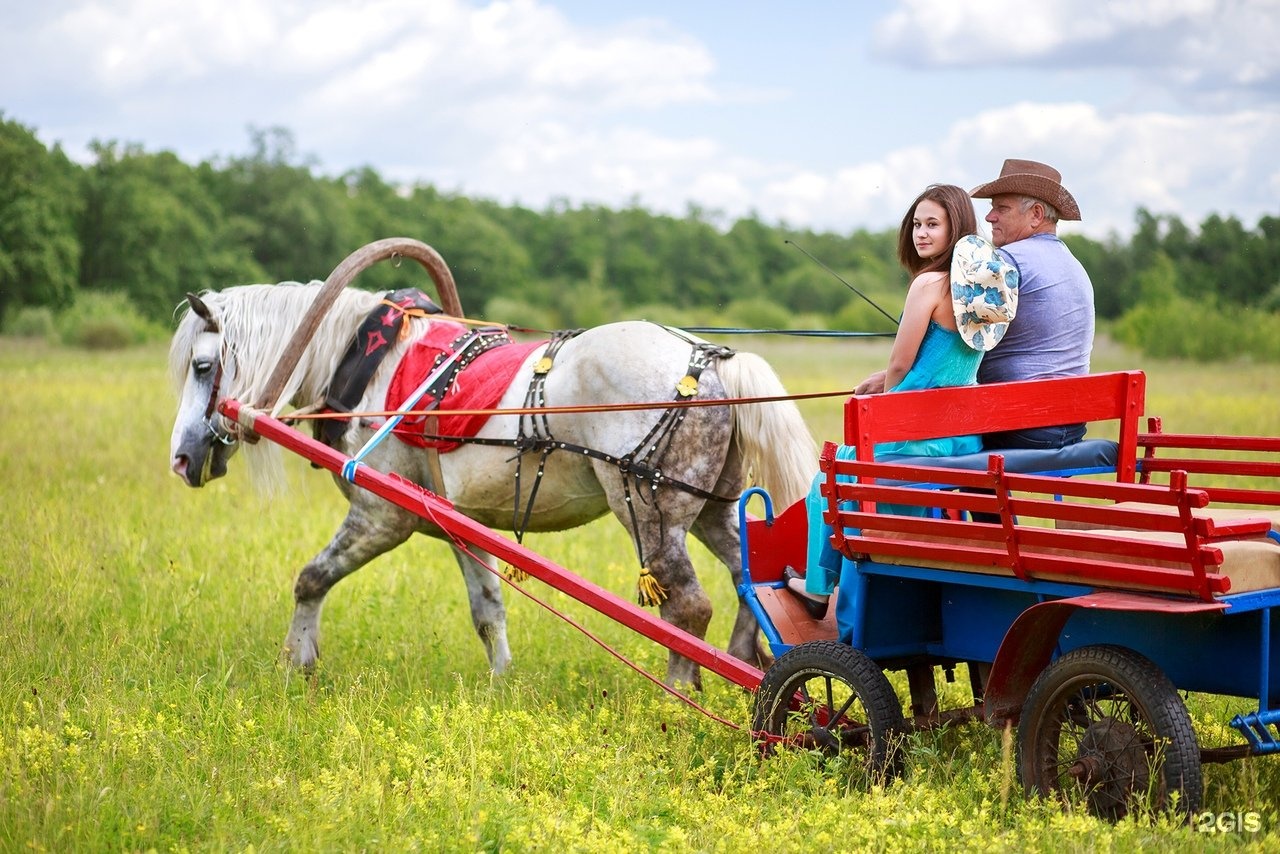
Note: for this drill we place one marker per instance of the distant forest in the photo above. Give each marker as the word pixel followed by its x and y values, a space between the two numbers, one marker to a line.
pixel 136 230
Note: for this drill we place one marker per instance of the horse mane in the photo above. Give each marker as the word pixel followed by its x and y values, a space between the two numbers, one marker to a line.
pixel 257 323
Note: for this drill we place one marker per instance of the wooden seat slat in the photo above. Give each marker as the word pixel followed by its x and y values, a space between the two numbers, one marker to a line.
pixel 1209 442
pixel 1203 466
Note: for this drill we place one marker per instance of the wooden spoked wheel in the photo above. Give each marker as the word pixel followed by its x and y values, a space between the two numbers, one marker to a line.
pixel 1105 726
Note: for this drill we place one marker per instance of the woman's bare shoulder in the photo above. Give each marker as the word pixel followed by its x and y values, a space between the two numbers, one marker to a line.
pixel 933 277
pixel 933 282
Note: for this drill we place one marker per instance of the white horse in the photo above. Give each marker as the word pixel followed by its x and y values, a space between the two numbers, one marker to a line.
pixel 230 341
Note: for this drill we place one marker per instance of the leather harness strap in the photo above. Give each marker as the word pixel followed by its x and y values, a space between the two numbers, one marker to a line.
pixel 383 326
pixel 643 460
pixel 538 438
pixel 641 463
pixel 470 344
pixel 473 343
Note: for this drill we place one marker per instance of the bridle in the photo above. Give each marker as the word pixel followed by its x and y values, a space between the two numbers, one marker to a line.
pixel 212 420
pixel 216 430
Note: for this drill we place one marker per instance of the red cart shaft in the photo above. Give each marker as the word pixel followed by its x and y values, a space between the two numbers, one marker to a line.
pixel 439 511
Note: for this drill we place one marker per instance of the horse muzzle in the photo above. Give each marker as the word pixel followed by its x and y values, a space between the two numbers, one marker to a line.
pixel 198 461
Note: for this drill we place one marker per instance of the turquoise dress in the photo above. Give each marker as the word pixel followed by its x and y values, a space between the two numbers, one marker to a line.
pixel 942 360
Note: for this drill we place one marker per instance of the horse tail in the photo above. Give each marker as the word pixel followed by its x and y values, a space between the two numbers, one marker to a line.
pixel 772 437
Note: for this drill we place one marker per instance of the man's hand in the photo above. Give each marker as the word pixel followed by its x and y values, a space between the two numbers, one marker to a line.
pixel 873 384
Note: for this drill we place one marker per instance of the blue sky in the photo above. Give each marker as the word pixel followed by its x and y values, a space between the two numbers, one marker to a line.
pixel 830 115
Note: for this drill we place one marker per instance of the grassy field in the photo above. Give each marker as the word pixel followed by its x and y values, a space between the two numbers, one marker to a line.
pixel 142 706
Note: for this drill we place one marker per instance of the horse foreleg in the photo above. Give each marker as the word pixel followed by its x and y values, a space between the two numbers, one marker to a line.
pixel 363 536
pixel 488 614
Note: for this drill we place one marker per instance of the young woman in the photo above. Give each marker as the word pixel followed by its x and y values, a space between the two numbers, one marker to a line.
pixel 928 351
pixel 940 342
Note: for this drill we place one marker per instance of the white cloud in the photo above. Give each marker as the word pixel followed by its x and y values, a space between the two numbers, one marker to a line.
pixel 363 50
pixel 1187 166
pixel 516 102
pixel 1219 53
pixel 122 47
pixel 1113 164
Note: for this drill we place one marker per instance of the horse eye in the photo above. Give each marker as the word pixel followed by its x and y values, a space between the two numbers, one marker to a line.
pixel 200 367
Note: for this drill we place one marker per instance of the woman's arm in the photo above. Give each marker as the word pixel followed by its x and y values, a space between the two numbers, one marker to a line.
pixel 922 300
pixel 873 384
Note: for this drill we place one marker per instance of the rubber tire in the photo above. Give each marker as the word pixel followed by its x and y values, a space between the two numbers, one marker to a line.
pixel 1141 689
pixel 882 732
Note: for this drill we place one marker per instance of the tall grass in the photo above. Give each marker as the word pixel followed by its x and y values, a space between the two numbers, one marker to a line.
pixel 142 706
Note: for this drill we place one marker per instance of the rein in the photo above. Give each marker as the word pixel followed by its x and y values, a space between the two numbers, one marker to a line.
pixel 566 410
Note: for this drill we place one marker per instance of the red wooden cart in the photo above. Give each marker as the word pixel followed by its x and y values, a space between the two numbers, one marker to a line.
pixel 1080 607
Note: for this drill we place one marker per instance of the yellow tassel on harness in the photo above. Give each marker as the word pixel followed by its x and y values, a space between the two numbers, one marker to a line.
pixel 648 590
pixel 514 574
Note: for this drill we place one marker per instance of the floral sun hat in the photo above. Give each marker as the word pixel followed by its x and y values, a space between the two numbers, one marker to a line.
pixel 984 292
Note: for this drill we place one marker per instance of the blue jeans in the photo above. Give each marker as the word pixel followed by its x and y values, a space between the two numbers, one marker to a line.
pixel 1049 438
pixel 1046 438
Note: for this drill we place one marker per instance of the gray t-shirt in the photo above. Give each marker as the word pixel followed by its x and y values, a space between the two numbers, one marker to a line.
pixel 1052 334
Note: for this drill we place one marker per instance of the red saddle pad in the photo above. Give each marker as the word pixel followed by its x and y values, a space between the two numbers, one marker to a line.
pixel 480 385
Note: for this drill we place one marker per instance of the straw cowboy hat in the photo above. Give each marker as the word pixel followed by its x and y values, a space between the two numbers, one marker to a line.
pixel 984 292
pixel 1029 178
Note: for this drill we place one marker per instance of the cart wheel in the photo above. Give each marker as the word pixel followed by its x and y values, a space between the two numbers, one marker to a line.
pixel 830 697
pixel 1106 724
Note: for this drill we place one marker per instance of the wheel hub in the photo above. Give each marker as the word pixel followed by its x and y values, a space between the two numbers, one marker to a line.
pixel 1110 764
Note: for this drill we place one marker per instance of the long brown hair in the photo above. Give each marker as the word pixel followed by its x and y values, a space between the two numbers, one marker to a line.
pixel 961 220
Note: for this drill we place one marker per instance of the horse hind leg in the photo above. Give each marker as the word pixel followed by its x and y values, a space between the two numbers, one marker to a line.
pixel 361 537
pixel 717 528
pixel 685 604
pixel 661 532
pixel 488 614
pixel 663 520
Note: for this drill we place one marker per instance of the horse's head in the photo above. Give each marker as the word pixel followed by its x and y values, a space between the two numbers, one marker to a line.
pixel 202 442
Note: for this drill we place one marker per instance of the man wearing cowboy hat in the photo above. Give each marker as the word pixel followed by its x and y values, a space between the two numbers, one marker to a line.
pixel 1052 335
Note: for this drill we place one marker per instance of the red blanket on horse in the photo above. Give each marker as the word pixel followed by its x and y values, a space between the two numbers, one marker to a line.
pixel 480 385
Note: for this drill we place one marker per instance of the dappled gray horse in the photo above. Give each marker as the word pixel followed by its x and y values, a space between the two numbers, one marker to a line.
pixel 229 341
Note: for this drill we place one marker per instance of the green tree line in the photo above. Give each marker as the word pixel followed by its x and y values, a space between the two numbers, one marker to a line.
pixel 136 230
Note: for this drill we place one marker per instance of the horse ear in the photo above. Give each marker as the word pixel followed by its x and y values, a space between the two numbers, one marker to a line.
pixel 202 310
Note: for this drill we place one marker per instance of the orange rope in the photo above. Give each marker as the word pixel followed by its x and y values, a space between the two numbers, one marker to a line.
pixel 565 410
pixel 423 314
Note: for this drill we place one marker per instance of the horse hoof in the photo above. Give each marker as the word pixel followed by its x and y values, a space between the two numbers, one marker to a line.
pixel 688 686
pixel 302 656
